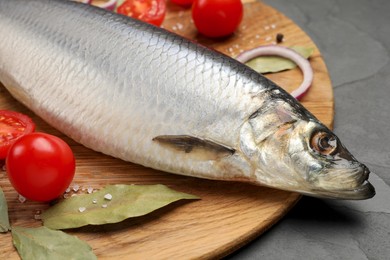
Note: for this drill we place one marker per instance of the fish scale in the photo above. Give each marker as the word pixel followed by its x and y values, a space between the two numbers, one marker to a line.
pixel 140 93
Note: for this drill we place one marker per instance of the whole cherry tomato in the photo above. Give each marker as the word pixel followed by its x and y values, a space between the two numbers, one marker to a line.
pixel 13 125
pixel 150 11
pixel 40 166
pixel 217 18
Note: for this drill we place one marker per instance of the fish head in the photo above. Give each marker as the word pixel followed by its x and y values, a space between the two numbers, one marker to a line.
pixel 301 154
pixel 317 155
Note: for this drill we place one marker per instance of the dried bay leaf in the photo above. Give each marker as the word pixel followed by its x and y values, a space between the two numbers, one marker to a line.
pixel 269 64
pixel 4 220
pixel 112 204
pixel 44 243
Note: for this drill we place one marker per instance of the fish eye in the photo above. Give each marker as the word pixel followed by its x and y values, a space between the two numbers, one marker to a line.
pixel 323 142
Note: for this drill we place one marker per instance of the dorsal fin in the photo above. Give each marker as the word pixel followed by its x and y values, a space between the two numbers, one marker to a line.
pixel 195 147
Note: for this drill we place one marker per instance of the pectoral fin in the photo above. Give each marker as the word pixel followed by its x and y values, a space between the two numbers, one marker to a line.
pixel 201 149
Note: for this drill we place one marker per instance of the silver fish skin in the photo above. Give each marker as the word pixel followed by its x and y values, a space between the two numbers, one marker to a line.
pixel 145 95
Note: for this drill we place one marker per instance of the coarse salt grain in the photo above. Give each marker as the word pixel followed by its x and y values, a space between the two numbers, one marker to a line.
pixel 76 187
pixel 67 190
pixel 82 209
pixel 179 26
pixel 90 190
pixel 21 199
pixel 104 206
pixel 108 196
pixel 94 201
pixel 37 215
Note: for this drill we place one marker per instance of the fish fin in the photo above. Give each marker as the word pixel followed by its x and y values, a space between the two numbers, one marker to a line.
pixel 198 148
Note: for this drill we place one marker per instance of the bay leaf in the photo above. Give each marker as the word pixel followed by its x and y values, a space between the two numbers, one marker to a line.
pixel 4 220
pixel 112 204
pixel 44 243
pixel 270 64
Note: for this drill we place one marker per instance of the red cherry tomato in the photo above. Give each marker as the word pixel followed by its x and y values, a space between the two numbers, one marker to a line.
pixel 184 3
pixel 12 126
pixel 150 11
pixel 217 18
pixel 40 166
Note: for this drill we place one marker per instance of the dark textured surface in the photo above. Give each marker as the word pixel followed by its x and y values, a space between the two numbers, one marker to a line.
pixel 354 38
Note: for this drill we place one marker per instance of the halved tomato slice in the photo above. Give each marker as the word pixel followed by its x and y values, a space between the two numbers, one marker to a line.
pixel 150 11
pixel 12 126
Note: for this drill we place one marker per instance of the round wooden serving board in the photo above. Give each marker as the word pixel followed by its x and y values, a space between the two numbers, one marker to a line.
pixel 228 215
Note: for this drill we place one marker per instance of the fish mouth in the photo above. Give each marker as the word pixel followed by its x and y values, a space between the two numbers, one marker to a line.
pixel 364 191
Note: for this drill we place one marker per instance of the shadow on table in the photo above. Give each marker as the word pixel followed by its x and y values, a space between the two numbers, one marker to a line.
pixel 311 219
pixel 321 210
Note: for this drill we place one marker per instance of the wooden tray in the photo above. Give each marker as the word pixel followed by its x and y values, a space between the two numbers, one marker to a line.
pixel 228 215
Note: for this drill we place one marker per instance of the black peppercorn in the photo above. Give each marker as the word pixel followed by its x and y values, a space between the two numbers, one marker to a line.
pixel 279 37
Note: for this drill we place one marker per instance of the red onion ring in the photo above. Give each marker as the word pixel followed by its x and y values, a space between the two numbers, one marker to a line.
pixel 273 50
pixel 109 5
